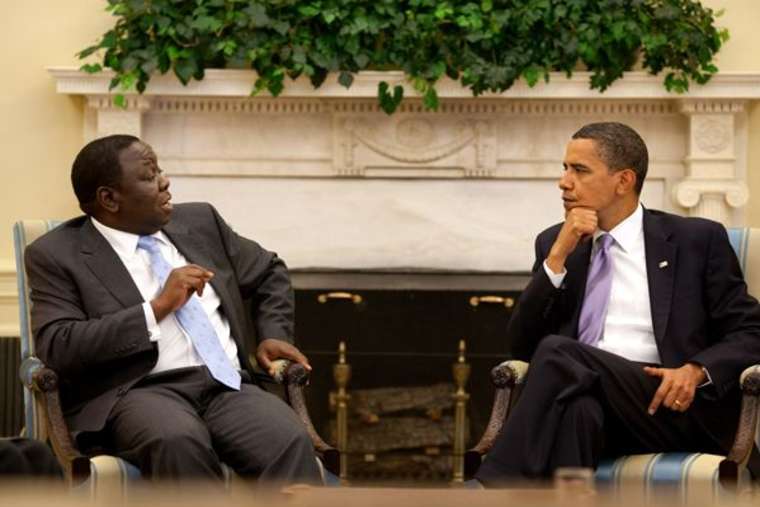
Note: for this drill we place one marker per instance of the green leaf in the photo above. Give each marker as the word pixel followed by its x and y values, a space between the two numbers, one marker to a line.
pixel 308 11
pixel 91 68
pixel 206 24
pixel 430 99
pixel 87 52
pixel 184 70
pixel 120 101
pixel 389 103
pixel 258 14
pixel 362 59
pixel 345 79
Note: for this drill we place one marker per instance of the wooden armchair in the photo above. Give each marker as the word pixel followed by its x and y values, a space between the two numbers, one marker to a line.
pixel 44 419
pixel 702 473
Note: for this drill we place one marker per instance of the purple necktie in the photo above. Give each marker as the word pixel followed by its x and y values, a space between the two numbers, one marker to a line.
pixel 597 298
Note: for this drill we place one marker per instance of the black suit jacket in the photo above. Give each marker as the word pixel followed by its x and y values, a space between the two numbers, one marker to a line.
pixel 87 315
pixel 701 311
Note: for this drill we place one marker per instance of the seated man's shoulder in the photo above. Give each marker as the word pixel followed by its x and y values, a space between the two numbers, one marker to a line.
pixel 689 225
pixel 193 210
pixel 550 233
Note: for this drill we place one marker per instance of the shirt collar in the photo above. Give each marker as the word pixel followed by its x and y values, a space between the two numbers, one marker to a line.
pixel 125 243
pixel 628 231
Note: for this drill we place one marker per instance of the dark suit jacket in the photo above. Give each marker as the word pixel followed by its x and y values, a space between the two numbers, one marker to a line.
pixel 701 311
pixel 87 314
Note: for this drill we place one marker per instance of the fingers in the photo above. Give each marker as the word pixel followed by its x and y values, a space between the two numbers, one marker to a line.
pixel 654 372
pixel 583 221
pixel 298 357
pixel 659 395
pixel 676 391
pixel 264 362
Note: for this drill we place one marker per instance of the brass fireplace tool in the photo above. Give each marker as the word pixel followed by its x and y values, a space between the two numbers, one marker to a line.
pixel 461 372
pixel 342 374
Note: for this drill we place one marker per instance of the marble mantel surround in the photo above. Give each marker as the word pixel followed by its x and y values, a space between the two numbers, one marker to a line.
pixel 329 181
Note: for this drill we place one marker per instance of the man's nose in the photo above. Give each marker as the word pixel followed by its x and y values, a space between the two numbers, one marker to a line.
pixel 565 182
pixel 163 183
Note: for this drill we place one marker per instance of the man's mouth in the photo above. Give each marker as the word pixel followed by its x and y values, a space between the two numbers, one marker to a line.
pixel 167 204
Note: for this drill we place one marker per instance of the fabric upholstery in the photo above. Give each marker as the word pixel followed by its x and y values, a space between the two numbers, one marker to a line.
pixel 23 234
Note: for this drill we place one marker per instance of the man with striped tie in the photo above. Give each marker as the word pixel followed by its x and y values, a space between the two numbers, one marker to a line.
pixel 637 325
pixel 139 306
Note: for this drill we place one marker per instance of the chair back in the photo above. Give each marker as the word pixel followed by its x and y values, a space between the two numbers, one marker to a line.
pixel 746 244
pixel 24 233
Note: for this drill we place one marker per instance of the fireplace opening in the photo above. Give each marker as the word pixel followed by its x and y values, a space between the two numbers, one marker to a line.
pixel 402 330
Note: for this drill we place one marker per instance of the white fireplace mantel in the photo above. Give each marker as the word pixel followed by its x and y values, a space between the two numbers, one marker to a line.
pixel 328 180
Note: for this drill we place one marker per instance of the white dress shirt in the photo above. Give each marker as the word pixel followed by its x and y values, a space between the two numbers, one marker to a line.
pixel 628 330
pixel 175 350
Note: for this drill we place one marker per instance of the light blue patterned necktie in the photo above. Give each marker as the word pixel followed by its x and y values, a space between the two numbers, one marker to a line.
pixel 597 298
pixel 193 319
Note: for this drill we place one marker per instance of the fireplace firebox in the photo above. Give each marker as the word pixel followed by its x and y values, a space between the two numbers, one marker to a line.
pixel 402 330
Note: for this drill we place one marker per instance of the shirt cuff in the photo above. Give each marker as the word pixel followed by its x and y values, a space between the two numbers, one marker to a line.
pixel 150 321
pixel 554 278
pixel 707 382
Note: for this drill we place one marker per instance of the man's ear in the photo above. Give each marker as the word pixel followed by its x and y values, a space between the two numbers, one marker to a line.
pixel 627 182
pixel 107 199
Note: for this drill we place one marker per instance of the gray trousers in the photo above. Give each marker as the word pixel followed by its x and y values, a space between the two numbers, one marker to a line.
pixel 183 424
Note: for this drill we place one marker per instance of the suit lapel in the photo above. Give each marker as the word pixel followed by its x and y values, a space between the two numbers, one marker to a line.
pixel 661 257
pixel 106 265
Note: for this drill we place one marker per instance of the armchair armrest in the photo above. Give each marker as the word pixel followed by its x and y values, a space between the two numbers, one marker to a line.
pixel 749 381
pixel 295 378
pixel 43 382
pixel 505 377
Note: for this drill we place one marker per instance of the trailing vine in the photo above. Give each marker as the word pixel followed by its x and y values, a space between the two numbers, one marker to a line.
pixel 487 45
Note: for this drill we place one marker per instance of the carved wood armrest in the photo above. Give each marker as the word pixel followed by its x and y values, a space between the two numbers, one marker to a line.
pixel 745 434
pixel 43 382
pixel 505 377
pixel 295 377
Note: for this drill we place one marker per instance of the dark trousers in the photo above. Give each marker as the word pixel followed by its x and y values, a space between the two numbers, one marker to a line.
pixel 182 424
pixel 26 457
pixel 580 404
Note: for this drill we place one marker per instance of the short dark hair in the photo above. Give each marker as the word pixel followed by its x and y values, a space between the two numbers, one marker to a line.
pixel 619 146
pixel 96 165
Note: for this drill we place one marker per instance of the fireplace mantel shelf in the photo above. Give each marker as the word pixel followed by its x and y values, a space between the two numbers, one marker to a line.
pixel 238 83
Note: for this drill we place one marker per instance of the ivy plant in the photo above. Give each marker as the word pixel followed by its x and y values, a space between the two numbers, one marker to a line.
pixel 487 45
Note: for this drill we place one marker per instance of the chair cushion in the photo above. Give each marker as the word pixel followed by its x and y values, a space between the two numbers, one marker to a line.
pixel 688 476
pixel 110 477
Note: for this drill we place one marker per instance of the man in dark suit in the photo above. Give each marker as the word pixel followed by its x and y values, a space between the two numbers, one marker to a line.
pixel 637 325
pixel 139 306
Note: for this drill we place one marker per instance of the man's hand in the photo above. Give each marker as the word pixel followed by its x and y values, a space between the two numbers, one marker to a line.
pixel 179 287
pixel 579 223
pixel 677 386
pixel 271 349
